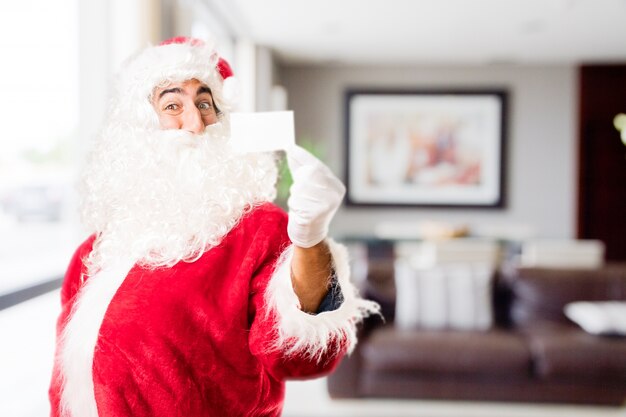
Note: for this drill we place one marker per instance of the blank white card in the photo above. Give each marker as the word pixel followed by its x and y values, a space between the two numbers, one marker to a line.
pixel 262 131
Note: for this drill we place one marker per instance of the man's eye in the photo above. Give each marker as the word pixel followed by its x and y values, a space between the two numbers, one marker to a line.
pixel 171 107
pixel 205 105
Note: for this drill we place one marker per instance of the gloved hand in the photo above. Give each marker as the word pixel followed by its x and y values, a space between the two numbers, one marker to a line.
pixel 314 198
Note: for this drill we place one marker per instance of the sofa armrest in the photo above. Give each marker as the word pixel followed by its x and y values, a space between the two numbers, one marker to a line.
pixel 343 382
pixel 540 294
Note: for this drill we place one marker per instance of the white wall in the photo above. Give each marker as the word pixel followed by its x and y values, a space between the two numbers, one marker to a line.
pixel 541 141
pixel 109 32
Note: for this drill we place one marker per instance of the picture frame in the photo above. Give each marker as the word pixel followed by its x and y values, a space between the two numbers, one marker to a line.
pixel 429 148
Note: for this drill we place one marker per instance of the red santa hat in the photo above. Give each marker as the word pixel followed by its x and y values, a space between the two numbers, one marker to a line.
pixel 223 67
pixel 173 60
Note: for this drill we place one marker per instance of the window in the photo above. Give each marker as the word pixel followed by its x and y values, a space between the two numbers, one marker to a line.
pixel 39 110
pixel 38 129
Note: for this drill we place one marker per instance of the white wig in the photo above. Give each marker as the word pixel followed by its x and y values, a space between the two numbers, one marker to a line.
pixel 175 60
pixel 164 196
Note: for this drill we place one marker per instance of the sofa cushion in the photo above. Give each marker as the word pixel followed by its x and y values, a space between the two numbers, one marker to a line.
pixel 461 352
pixel 451 296
pixel 600 317
pixel 572 353
pixel 540 294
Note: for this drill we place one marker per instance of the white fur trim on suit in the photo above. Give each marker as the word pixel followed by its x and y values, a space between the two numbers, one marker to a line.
pixel 80 337
pixel 313 335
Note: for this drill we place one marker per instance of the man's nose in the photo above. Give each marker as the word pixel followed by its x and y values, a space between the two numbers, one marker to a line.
pixel 192 120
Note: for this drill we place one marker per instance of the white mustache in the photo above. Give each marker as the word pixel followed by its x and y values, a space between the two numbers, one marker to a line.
pixel 216 135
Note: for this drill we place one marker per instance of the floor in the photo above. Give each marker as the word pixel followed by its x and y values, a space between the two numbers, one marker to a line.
pixel 309 399
pixel 27 347
pixel 26 353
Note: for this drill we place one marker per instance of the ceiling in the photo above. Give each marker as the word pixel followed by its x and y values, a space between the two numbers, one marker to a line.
pixel 392 32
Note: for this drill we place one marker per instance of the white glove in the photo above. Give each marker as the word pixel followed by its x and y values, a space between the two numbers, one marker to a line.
pixel 314 198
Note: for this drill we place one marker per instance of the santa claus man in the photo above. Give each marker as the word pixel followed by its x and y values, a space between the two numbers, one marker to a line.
pixel 195 295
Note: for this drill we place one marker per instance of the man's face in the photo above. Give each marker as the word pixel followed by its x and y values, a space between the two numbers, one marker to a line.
pixel 185 105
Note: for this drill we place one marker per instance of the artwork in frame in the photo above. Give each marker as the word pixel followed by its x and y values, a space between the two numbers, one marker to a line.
pixel 425 148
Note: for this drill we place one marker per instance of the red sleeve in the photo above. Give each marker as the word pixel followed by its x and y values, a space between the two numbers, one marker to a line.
pixel 278 359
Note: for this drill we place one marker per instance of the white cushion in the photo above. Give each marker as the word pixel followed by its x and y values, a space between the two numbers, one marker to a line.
pixel 575 254
pixel 602 317
pixel 452 296
pixel 432 253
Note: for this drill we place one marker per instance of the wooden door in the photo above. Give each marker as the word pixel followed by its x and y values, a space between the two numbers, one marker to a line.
pixel 602 158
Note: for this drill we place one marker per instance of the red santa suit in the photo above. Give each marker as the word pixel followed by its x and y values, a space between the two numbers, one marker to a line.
pixel 215 334
pixel 214 337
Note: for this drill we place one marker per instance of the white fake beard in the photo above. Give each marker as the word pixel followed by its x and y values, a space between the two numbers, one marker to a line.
pixel 166 196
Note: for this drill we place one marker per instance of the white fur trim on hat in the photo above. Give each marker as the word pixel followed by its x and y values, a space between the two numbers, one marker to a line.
pixel 312 335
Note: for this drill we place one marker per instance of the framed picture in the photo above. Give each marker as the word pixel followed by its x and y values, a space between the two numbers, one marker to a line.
pixel 425 148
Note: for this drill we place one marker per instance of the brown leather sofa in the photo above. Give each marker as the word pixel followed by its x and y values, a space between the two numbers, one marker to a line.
pixel 533 353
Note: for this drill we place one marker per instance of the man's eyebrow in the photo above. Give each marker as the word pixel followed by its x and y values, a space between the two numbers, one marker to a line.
pixel 170 90
pixel 204 89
